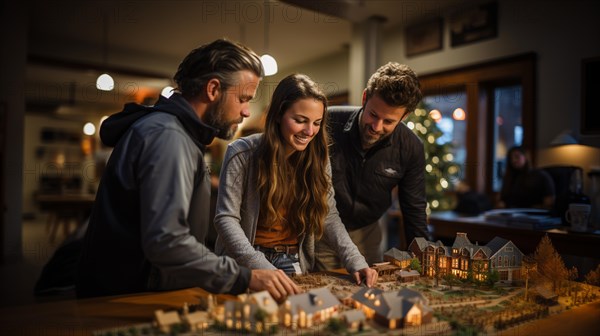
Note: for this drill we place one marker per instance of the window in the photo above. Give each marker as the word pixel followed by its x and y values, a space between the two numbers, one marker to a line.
pixel 497 99
pixel 449 111
pixel 508 128
pixel 508 249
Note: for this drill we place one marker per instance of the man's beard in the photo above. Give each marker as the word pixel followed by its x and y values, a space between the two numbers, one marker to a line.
pixel 215 118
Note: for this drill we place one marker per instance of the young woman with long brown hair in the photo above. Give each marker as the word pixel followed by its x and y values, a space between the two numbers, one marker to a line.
pixel 275 194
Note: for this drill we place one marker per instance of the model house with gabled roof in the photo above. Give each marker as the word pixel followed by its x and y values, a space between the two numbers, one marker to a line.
pixel 264 301
pixel 306 309
pixel 165 321
pixel 506 258
pixel 253 312
pixel 393 309
pixel 399 258
pixel 385 268
pixel 435 258
pixel 354 319
pixel 464 258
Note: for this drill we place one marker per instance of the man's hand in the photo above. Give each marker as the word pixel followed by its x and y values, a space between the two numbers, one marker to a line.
pixel 368 275
pixel 276 282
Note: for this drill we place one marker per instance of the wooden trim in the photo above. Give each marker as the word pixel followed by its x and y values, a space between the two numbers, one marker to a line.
pixel 478 81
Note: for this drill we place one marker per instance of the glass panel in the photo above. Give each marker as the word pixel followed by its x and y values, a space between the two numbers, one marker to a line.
pixel 451 118
pixel 508 127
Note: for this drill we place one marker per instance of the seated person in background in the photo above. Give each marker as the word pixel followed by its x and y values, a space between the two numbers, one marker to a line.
pixel 275 194
pixel 523 186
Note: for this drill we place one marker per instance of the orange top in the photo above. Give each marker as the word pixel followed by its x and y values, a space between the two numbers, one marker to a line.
pixel 274 234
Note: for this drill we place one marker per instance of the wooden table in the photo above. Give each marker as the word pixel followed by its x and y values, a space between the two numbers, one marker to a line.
pixel 64 209
pixel 445 225
pixel 82 317
pixel 580 250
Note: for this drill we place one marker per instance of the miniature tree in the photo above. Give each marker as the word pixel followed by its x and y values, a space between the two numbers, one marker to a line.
pixel 593 277
pixel 336 326
pixel 492 277
pixel 451 280
pixel 550 265
pixel 572 275
pixel 529 266
pixel 415 265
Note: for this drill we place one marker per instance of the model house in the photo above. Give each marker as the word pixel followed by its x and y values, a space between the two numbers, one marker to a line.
pixel 393 309
pixel 354 319
pixel 397 257
pixel 464 258
pixel 310 308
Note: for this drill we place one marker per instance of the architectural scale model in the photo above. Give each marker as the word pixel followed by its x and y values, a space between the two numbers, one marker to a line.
pixel 429 289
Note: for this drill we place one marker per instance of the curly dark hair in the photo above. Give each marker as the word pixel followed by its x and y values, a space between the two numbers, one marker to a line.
pixel 220 59
pixel 397 85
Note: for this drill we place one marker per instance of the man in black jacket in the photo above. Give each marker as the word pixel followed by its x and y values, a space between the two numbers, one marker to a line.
pixel 373 152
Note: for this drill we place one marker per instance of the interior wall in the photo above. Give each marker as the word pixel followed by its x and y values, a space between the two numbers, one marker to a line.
pixel 561 33
pixel 13 33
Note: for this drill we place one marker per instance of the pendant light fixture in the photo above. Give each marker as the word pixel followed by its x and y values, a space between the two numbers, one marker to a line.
pixel 105 82
pixel 269 63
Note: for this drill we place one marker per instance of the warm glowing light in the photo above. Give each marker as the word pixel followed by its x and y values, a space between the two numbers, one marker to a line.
pixel 435 204
pixel 269 64
pixel 428 168
pixel 435 115
pixel 459 114
pixel 430 139
pixel 435 159
pixel 444 183
pixel 89 129
pixel 105 82
pixel 410 125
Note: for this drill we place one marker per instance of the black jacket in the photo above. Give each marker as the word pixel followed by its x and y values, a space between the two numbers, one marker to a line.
pixel 363 181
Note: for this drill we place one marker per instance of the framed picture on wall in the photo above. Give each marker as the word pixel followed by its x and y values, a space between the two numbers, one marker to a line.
pixel 424 37
pixel 590 104
pixel 474 24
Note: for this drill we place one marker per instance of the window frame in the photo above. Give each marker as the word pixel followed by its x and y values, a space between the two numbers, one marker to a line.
pixel 479 81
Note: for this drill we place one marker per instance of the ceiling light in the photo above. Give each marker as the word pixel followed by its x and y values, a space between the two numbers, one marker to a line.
pixel 105 82
pixel 89 129
pixel 269 64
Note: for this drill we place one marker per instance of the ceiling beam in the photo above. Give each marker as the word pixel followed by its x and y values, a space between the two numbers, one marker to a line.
pixel 85 66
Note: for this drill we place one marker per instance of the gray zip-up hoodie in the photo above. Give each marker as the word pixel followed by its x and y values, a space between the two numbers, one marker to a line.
pixel 151 212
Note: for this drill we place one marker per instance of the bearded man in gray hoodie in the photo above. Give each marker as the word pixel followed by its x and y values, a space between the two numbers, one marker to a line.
pixel 151 213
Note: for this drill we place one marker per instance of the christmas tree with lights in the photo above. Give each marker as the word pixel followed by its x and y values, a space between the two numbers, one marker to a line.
pixel 440 171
